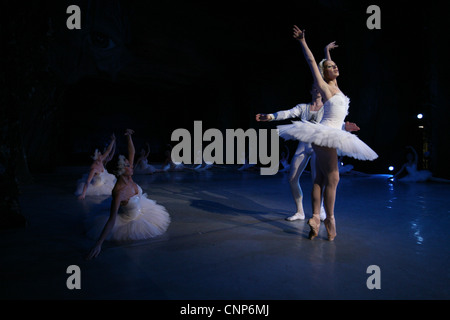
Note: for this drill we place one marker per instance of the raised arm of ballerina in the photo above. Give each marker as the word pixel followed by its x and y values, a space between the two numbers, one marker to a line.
pixel 108 150
pixel 329 47
pixel 325 89
pixel 131 150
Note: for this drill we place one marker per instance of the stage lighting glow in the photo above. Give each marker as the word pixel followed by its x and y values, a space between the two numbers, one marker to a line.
pixel 391 168
pixel 419 116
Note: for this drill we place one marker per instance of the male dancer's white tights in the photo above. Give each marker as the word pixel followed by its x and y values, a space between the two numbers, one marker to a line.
pixel 298 164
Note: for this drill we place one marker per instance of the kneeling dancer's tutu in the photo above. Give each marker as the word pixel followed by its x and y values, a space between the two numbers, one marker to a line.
pixel 141 218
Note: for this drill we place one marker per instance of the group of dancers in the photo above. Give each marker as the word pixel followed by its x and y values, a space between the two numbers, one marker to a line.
pixel 132 215
pixel 322 135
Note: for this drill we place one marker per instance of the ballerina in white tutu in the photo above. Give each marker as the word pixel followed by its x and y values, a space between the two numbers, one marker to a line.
pixel 168 164
pixel 132 215
pixel 312 112
pixel 98 182
pixel 326 138
pixel 142 165
pixel 410 168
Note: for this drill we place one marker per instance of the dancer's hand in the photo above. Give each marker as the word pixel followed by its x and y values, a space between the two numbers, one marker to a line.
pixel 331 45
pixel 298 34
pixel 263 117
pixel 350 126
pixel 113 137
pixel 95 251
pixel 129 132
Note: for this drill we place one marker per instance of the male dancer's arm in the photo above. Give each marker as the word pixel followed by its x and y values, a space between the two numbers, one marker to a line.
pixel 295 112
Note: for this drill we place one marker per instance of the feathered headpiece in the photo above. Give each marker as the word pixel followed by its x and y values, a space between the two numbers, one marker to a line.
pixel 120 165
pixel 96 154
pixel 321 67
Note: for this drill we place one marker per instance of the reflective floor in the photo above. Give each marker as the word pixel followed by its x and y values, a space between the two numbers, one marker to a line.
pixel 229 239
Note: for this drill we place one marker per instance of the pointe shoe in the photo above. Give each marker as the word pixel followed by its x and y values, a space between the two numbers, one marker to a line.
pixel 314 228
pixel 296 216
pixel 330 225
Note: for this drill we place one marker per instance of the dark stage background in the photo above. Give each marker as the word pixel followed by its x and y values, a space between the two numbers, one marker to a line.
pixel 158 66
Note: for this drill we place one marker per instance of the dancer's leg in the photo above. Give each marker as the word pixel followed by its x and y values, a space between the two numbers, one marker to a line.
pixel 327 160
pixel 316 200
pixel 298 165
pixel 313 177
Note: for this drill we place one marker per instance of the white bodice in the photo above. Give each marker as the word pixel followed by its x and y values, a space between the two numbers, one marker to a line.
pixel 99 179
pixel 132 209
pixel 335 110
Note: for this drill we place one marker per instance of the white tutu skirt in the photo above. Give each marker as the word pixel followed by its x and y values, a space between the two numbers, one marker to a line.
pixel 415 175
pixel 101 184
pixel 346 143
pixel 141 218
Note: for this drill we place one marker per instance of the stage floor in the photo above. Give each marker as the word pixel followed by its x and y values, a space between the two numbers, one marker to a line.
pixel 229 239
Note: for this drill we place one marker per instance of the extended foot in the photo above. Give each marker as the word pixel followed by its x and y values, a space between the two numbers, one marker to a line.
pixel 314 224
pixel 296 216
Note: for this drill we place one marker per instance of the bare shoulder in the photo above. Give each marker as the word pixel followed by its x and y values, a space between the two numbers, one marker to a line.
pixel 119 191
pixel 124 191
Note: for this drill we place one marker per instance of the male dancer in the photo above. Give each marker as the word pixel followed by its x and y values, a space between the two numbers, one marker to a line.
pixel 310 112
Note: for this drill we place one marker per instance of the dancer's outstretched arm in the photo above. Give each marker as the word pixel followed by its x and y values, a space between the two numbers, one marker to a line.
pixel 328 47
pixel 282 115
pixel 414 153
pixel 115 204
pixel 131 150
pixel 105 154
pixel 322 86
pixel 111 154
